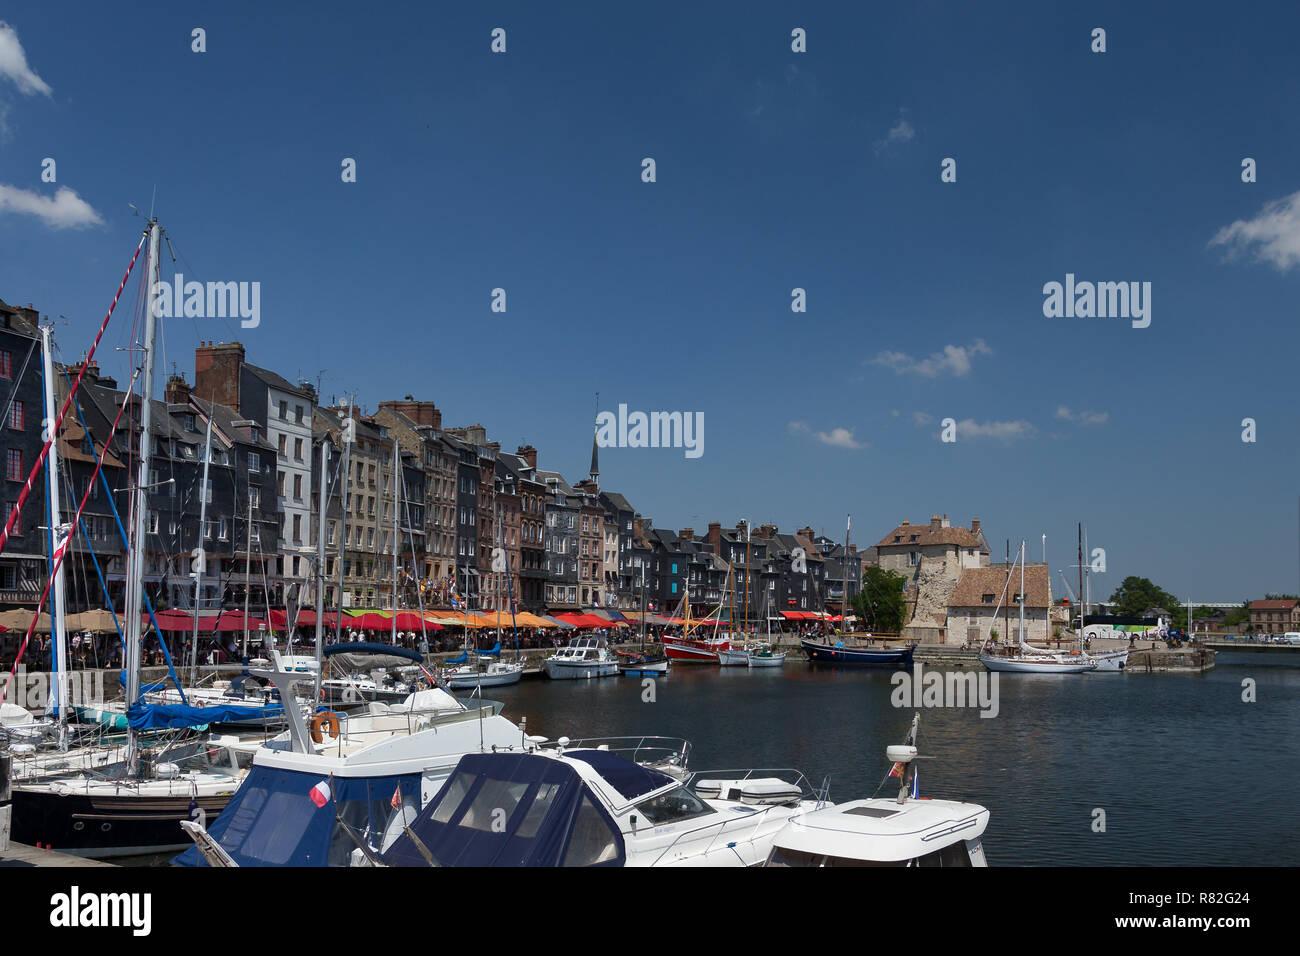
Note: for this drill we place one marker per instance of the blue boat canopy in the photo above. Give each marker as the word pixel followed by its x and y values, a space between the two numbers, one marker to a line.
pixel 273 819
pixel 142 716
pixel 551 818
pixel 626 776
pixel 496 649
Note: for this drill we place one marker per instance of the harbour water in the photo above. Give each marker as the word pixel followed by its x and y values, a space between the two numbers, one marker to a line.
pixel 1184 770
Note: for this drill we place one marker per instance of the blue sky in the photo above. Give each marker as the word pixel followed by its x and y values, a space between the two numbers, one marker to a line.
pixel 775 170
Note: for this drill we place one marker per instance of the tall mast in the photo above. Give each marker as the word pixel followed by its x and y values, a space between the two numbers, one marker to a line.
pixel 348 430
pixel 1083 604
pixel 397 468
pixel 200 555
pixel 1023 641
pixel 321 499
pixel 58 537
pixel 248 566
pixel 844 600
pixel 748 576
pixel 1087 576
pixel 135 554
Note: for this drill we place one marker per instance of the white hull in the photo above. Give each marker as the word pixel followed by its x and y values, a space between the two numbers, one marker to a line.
pixel 776 660
pixel 578 670
pixel 498 678
pixel 1110 663
pixel 1032 665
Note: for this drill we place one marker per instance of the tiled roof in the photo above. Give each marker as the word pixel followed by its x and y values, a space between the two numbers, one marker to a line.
pixel 977 582
pixel 927 535
pixel 1274 604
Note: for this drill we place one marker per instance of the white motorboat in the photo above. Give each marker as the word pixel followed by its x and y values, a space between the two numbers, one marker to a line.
pixel 584 657
pixel 486 674
pixel 313 792
pixel 899 831
pixel 595 807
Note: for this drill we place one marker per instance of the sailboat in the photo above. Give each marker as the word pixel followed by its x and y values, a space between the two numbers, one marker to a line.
pixel 492 672
pixel 701 650
pixel 642 664
pixel 136 805
pixel 754 653
pixel 1030 659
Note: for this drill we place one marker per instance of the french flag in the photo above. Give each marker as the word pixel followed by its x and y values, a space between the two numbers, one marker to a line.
pixel 320 794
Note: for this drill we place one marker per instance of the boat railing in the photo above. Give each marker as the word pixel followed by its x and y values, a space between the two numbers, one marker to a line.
pixel 787 774
pixel 647 751
pixel 726 832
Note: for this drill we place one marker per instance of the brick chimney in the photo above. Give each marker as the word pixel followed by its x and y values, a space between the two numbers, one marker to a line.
pixel 92 370
pixel 975 525
pixel 422 413
pixel 806 533
pixel 636 519
pixel 687 534
pixel 935 522
pixel 529 454
pixel 177 391
pixel 767 530
pixel 715 536
pixel 216 372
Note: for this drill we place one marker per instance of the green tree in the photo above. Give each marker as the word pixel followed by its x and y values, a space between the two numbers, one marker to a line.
pixel 1236 618
pixel 1135 595
pixel 881 603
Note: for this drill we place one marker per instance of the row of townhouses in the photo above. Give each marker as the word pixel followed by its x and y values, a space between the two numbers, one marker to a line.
pixel 416 514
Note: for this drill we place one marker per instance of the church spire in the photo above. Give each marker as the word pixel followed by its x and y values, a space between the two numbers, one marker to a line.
pixel 595 458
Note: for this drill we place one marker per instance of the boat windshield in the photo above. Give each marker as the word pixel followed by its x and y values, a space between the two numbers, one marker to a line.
pixel 677 804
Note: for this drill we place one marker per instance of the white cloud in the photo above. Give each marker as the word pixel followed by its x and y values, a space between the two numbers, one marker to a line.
pixel 1273 235
pixel 13 64
pixel 999 431
pixel 954 359
pixel 65 210
pixel 901 132
pixel 921 419
pixel 836 437
pixel 1064 413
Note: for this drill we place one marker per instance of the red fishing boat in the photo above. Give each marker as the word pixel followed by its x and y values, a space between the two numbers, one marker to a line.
pixel 696 650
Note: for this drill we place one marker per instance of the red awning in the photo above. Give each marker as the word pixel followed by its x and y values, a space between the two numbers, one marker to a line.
pixel 208 623
pixel 306 618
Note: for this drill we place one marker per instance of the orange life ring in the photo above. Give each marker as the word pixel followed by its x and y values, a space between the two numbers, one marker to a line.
pixel 327 720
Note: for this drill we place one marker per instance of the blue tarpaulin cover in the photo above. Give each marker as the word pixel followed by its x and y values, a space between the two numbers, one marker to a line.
pixel 272 820
pixel 626 776
pixel 551 818
pixel 142 716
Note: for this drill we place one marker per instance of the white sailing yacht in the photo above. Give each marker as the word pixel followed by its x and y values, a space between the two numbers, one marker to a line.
pixel 1030 659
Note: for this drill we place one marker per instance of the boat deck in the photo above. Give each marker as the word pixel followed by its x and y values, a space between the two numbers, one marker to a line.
pixel 19 854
